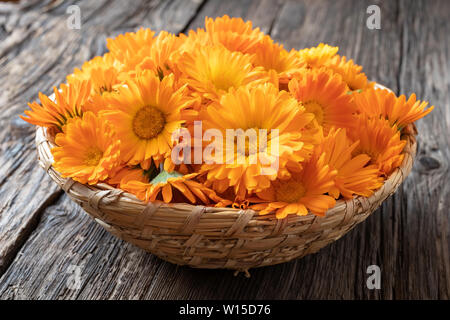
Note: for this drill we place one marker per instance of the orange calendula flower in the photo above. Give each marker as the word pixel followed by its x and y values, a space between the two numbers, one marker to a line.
pixel 144 114
pixel 398 110
pixel 69 102
pixel 233 33
pixel 129 44
pixel 259 112
pixel 379 140
pixel 350 72
pixel 103 73
pixel 87 150
pixel 212 71
pixel 127 174
pixel 325 95
pixel 317 56
pixel 303 192
pixel 165 185
pixel 354 176
pixel 193 40
pixel 160 56
pixel 272 56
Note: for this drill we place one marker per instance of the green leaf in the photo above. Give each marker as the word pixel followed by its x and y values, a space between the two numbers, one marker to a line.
pixel 163 176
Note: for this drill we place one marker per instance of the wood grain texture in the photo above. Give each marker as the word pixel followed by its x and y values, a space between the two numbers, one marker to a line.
pixel 43 235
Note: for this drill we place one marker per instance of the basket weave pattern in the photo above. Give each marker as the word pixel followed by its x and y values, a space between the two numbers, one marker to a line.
pixel 208 237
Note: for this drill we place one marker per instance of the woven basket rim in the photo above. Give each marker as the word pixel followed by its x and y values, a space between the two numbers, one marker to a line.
pixel 98 192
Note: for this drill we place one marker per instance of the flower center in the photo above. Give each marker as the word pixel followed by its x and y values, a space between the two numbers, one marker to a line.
pixel 224 76
pixel 290 191
pixel 92 156
pixel 313 106
pixel 224 82
pixel 148 122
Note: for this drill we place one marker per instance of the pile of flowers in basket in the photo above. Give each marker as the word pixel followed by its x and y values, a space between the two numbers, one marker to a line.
pixel 225 116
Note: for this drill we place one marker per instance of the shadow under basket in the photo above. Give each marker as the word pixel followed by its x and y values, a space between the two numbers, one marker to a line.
pixel 208 237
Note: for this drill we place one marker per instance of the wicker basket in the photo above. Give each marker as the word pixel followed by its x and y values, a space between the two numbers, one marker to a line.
pixel 207 237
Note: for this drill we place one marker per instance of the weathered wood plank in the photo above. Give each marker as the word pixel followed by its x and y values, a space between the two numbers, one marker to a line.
pixel 424 232
pixel 408 237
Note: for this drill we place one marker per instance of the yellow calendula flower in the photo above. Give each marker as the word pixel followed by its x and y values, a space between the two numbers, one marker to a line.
pixel 87 150
pixel 255 109
pixel 213 71
pixel 145 112
pixel 317 56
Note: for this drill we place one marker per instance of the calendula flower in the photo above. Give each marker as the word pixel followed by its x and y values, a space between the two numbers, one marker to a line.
pixel 303 192
pixel 316 57
pixel 354 176
pixel 379 140
pixel 255 108
pixel 127 174
pixel 87 150
pixel 212 71
pixel 193 40
pixel 127 45
pixel 164 185
pixel 160 56
pixel 103 73
pixel 233 33
pixel 398 110
pixel 272 56
pixel 145 112
pixel 69 102
pixel 350 72
pixel 325 95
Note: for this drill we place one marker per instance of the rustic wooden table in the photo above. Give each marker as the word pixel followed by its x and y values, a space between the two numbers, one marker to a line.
pixel 47 242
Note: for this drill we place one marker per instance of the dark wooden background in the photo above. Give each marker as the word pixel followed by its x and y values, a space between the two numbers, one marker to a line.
pixel 43 234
